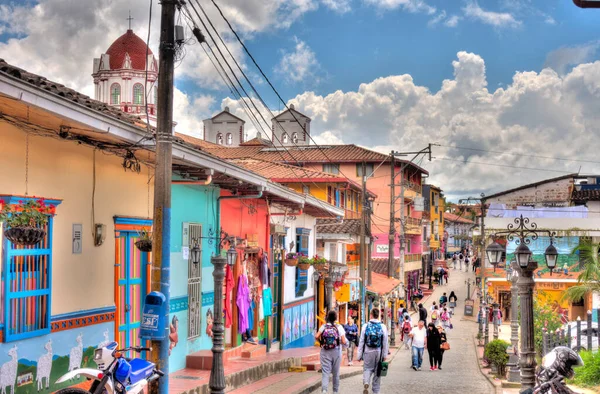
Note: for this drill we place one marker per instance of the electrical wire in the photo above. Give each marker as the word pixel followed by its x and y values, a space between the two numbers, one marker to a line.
pixel 146 72
pixel 505 165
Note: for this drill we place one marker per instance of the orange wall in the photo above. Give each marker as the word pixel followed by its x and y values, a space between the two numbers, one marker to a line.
pixel 236 221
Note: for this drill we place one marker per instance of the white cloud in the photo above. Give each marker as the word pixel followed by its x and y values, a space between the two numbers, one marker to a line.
pixel 560 59
pixel 452 21
pixel 408 5
pixel 328 138
pixel 339 6
pixel 437 19
pixel 539 113
pixel 497 19
pixel 299 65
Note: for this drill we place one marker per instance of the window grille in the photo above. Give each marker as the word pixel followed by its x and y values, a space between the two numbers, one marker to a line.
pixel 115 94
pixel 138 94
pixel 27 281
pixel 194 283
pixel 302 235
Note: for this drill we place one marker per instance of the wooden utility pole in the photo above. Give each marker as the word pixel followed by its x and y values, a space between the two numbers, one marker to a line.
pixel 402 225
pixel 161 251
pixel 392 235
pixel 363 244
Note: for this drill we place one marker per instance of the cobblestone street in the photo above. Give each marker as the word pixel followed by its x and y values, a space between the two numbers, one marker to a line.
pixel 460 372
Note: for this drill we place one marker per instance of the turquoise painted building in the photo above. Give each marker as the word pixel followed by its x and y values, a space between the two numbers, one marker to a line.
pixel 194 222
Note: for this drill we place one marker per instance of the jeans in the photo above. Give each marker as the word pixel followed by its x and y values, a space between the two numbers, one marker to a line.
pixel 440 358
pixel 417 356
pixel 350 351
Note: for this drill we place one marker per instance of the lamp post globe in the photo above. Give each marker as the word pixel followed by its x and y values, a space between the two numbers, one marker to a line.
pixel 551 255
pixel 195 253
pixel 523 254
pixel 494 253
pixel 231 255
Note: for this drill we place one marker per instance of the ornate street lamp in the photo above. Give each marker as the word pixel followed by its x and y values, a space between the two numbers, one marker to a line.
pixel 195 252
pixel 494 254
pixel 523 232
pixel 392 325
pixel 512 276
pixel 217 372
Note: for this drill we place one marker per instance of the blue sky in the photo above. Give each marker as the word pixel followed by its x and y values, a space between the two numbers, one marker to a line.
pixel 366 43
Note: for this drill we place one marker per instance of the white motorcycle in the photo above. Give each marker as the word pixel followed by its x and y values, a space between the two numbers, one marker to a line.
pixel 115 373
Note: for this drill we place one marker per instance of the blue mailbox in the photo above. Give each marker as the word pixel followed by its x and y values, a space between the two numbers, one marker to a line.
pixel 153 316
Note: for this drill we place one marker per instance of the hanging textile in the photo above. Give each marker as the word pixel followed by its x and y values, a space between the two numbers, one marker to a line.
pixel 251 316
pixel 267 301
pixel 261 311
pixel 243 303
pixel 228 288
pixel 264 270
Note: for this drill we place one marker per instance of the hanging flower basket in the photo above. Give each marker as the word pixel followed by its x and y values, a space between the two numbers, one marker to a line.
pixel 304 265
pixel 145 245
pixel 291 262
pixel 26 220
pixel 321 267
pixel 24 235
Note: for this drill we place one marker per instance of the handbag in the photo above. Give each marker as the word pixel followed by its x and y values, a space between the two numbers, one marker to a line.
pixel 445 346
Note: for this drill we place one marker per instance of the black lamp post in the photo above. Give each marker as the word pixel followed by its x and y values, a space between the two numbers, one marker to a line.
pixel 523 232
pixel 195 252
pixel 217 372
pixel 512 276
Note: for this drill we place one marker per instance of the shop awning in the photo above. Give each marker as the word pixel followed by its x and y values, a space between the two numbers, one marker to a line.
pixel 382 284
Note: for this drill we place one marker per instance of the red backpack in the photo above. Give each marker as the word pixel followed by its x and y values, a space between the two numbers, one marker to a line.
pixel 406 327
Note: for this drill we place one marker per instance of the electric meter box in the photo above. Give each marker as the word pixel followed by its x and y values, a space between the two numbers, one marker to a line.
pixel 153 317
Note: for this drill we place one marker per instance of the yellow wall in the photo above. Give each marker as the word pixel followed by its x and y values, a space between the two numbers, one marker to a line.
pixel 63 170
pixel 439 216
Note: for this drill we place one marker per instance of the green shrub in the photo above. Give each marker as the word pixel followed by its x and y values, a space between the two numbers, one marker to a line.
pixel 495 353
pixel 589 374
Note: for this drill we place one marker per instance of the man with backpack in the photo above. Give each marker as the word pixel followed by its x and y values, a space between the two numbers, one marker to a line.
pixel 422 313
pixel 332 336
pixel 372 349
pixel 454 260
pixel 405 329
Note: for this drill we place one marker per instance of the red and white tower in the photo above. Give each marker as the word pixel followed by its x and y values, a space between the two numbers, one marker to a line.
pixel 126 76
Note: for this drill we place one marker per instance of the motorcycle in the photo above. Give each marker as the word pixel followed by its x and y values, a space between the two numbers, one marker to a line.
pixel 556 366
pixel 115 373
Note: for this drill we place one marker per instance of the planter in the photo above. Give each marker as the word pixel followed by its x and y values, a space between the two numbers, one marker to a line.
pixel 145 245
pixel 304 266
pixel 24 235
pixel 291 262
pixel 321 267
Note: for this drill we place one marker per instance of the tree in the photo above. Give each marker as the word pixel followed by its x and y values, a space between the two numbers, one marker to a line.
pixel 589 278
pixel 543 317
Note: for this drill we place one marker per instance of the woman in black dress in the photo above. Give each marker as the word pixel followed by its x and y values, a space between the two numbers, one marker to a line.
pixel 433 345
pixel 443 340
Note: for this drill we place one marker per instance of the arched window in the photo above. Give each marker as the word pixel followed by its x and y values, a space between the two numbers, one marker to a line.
pixel 115 93
pixel 229 139
pixel 284 138
pixel 219 139
pixel 295 138
pixel 138 94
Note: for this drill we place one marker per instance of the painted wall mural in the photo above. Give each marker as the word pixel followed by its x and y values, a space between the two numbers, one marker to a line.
pixel 298 325
pixel 34 365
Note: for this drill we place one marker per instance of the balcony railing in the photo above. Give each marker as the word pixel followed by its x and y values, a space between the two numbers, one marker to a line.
pixel 412 257
pixel 413 226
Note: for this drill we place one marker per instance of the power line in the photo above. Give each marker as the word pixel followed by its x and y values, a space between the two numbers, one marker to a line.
pixel 517 154
pixel 504 165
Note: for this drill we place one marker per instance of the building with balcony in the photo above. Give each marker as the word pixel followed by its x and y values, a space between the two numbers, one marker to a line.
pixel 434 216
pixel 459 230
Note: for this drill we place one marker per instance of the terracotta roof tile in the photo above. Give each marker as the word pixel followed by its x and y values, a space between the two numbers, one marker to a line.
pixel 380 265
pixel 381 284
pixel 333 226
pixel 256 141
pixel 586 195
pixel 197 142
pixel 450 217
pixel 288 172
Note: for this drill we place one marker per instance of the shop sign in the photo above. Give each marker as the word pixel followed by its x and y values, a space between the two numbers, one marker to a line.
pixel 469 307
pixel 551 285
pixel 382 248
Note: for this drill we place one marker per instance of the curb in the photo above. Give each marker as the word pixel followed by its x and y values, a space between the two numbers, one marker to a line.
pixel 497 385
pixel 345 375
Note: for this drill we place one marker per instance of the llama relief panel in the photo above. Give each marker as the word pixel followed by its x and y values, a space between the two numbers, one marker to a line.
pixel 34 365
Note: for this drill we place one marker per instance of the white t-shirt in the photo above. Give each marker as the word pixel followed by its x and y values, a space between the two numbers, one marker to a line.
pixel 418 339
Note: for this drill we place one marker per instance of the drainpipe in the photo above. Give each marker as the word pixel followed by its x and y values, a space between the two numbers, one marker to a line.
pixel 208 181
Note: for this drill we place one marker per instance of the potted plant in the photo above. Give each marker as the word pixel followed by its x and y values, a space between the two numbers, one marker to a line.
pixel 495 352
pixel 304 262
pixel 145 242
pixel 26 220
pixel 320 263
pixel 291 259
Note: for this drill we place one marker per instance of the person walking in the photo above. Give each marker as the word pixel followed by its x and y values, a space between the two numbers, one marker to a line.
pixel 406 328
pixel 419 341
pixel 435 315
pixel 352 337
pixel 373 347
pixel 443 300
pixel 454 260
pixel 445 318
pixel 422 313
pixel 331 336
pixel 443 339
pixel 461 259
pixel 476 263
pixel 467 261
pixel 452 299
pixel 433 346
pixel 498 317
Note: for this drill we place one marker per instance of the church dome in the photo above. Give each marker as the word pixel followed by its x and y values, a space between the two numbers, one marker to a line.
pixel 134 46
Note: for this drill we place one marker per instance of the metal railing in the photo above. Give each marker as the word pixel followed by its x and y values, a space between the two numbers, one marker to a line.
pixel 574 337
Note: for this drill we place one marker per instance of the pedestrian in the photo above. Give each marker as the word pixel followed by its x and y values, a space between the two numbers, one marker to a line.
pixel 467 261
pixel 435 315
pixel 422 313
pixel 446 276
pixel 352 337
pixel 452 299
pixel 433 346
pixel 445 318
pixel 454 260
pixel 373 347
pixel 433 306
pixel 499 319
pixel 476 263
pixel 443 339
pixel 443 300
pixel 419 341
pixel 461 258
pixel 332 337
pixel 405 329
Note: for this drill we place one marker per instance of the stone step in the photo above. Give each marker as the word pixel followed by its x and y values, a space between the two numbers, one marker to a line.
pixel 312 365
pixel 203 359
pixel 254 351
